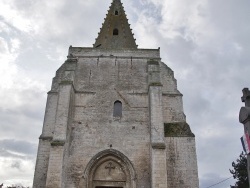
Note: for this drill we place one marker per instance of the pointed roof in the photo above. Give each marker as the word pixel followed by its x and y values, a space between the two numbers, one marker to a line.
pixel 115 32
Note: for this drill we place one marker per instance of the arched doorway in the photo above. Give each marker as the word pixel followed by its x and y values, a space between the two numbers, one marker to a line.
pixel 110 169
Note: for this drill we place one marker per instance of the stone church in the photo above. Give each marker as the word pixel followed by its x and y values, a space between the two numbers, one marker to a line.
pixel 114 118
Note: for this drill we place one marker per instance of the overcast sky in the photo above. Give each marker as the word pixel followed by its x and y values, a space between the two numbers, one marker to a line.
pixel 205 42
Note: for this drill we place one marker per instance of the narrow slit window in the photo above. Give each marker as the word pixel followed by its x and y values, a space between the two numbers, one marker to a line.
pixel 115 32
pixel 117 109
pixel 116 12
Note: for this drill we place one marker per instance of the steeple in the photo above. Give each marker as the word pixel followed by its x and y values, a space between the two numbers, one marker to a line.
pixel 115 32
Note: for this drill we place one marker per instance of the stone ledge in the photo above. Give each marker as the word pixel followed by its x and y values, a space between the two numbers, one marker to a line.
pixel 117 57
pixel 153 62
pixel 158 145
pixel 45 137
pixel 64 82
pixel 156 84
pixel 71 59
pixel 177 129
pixel 172 94
pixel 57 143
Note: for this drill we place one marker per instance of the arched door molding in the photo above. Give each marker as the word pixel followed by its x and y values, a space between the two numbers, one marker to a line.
pixel 105 159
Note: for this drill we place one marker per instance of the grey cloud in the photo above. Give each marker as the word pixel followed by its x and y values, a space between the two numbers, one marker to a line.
pixel 6 154
pixel 29 105
pixel 153 12
pixel 18 146
pixel 212 179
pixel 179 51
pixel 196 103
pixel 16 164
pixel 230 16
pixel 21 123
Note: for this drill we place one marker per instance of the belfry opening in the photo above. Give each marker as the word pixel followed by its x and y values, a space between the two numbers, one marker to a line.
pixel 115 32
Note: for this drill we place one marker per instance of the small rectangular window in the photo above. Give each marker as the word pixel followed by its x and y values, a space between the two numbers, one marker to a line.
pixel 117 109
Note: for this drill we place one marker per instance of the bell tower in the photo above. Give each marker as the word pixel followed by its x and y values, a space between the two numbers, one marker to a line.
pixel 115 31
pixel 114 118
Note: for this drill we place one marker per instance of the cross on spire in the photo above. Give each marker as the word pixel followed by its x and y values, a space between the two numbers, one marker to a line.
pixel 246 97
pixel 110 166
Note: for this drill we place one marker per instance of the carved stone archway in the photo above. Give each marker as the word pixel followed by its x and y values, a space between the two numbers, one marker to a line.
pixel 110 168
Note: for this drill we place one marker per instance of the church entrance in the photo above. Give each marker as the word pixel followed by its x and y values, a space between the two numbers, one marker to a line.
pixel 110 169
pixel 109 174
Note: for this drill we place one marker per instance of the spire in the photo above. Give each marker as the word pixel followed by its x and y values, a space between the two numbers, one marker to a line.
pixel 115 32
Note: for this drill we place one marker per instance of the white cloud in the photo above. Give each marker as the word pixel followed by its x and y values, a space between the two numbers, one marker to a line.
pixel 14 16
pixel 16 171
pixel 7 68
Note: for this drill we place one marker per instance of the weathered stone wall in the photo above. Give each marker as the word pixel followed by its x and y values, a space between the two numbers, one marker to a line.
pixel 43 153
pixel 181 162
pixel 79 120
pixel 42 161
pixel 99 82
pixel 173 108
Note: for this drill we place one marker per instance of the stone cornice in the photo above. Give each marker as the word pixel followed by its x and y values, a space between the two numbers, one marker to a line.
pixel 158 145
pixel 57 143
pixel 45 137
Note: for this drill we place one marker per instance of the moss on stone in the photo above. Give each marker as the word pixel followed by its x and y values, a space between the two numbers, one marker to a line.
pixel 177 129
pixel 153 62
pixel 66 82
pixel 155 84
pixel 57 143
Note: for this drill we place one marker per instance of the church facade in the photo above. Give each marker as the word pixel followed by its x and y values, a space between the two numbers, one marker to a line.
pixel 114 118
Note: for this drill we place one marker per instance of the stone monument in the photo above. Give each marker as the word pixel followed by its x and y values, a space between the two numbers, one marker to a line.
pixel 244 118
pixel 114 118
